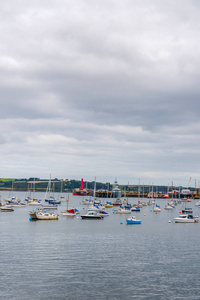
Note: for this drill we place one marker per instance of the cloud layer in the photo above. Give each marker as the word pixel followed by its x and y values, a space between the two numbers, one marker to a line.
pixel 106 89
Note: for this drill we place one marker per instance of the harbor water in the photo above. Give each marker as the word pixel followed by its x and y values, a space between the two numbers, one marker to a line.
pixel 71 258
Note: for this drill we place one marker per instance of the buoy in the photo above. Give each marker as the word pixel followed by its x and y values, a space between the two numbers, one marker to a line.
pixel 30 219
pixel 144 214
pixel 156 212
pixel 165 208
pixel 179 212
pixel 169 221
pixel 151 210
pixel 121 222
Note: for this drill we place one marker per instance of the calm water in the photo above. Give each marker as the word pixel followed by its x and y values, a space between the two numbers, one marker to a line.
pixel 98 259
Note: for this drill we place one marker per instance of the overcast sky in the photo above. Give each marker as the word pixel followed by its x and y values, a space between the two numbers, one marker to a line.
pixel 105 89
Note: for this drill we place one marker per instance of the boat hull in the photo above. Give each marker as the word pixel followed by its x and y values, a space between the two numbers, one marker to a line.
pixel 179 220
pixel 133 222
pixel 92 217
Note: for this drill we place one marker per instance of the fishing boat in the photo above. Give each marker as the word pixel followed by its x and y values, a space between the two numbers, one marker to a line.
pixel 186 219
pixel 46 215
pixel 92 215
pixel 6 208
pixel 133 220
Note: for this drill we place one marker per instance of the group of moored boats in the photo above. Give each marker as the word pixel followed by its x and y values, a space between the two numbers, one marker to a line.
pixel 95 210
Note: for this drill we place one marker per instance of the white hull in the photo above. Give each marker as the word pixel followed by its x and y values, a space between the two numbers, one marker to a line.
pixel 156 209
pixel 122 211
pixel 179 220
pixel 46 216
pixel 68 214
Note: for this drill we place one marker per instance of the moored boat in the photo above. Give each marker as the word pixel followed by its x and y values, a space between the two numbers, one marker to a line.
pixel 133 220
pixel 92 215
pixel 122 211
pixel 117 202
pixel 157 208
pixel 186 219
pixel 6 208
pixel 46 216
pixel 135 208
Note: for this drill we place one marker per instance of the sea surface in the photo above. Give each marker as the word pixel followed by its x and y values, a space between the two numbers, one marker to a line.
pixel 71 258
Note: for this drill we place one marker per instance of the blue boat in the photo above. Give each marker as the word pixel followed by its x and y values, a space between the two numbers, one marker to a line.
pixel 133 220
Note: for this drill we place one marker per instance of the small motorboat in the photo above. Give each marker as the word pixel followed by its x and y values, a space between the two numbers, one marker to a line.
pixel 6 208
pixel 186 219
pixel 133 220
pixel 46 215
pixel 92 215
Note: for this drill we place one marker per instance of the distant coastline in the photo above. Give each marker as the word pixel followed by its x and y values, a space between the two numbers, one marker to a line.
pixel 102 189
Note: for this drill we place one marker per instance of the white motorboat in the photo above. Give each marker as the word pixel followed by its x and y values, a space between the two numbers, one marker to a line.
pixel 7 207
pixel 186 219
pixel 122 211
pixel 46 215
pixel 92 215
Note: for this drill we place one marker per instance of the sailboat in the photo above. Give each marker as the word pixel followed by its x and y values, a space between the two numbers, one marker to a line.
pixel 49 196
pixel 156 208
pixel 70 212
pixel 12 199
